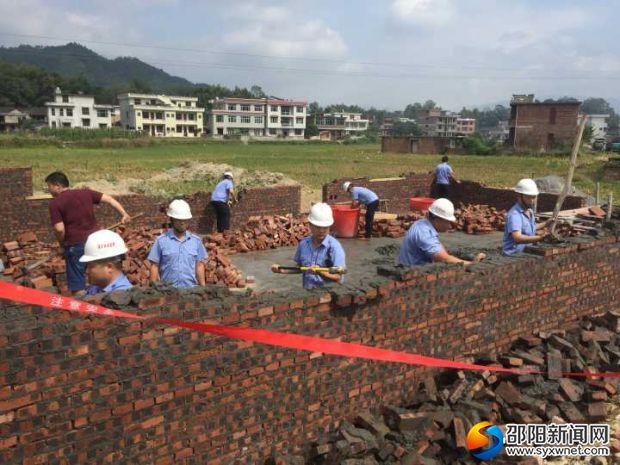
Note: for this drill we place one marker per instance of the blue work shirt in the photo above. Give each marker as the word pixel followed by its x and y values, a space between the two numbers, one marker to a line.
pixel 365 196
pixel 443 171
pixel 119 284
pixel 329 253
pixel 177 259
pixel 220 193
pixel 420 244
pixel 516 220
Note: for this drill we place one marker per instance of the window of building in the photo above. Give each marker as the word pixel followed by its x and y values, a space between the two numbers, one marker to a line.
pixel 272 132
pixel 299 132
pixel 191 116
pixel 137 101
pixel 65 98
pixel 245 107
pixel 274 107
pixel 552 115
pixel 246 119
pixel 53 124
pixel 219 118
pixel 188 104
pixel 244 131
pixel 103 126
pixel 285 110
pixel 258 108
pixel 299 120
pixel 232 107
pixel 179 128
pixel 300 109
pixel 258 119
pixel 159 115
pixel 274 119
pixel 53 112
pixel 102 113
pixel 66 125
pixel 69 111
pixel 153 102
pixel 60 112
pixel 232 119
pixel 258 132
pixel 86 122
pixel 85 111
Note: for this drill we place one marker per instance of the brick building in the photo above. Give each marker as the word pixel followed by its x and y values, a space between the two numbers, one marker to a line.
pixel 541 126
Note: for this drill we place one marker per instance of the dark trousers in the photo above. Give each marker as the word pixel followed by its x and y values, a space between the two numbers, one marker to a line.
pixel 443 191
pixel 371 208
pixel 222 213
pixel 76 270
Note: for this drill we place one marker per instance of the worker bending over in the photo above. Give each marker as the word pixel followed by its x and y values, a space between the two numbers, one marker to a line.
pixel 362 195
pixel 421 243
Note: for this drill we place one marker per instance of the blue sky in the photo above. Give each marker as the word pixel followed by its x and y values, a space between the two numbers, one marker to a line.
pixel 385 53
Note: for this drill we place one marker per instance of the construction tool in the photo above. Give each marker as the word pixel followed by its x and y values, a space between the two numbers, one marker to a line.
pixel 25 270
pixel 315 269
pixel 569 177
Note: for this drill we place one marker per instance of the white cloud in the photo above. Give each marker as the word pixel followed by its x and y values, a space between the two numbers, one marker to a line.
pixel 423 12
pixel 278 31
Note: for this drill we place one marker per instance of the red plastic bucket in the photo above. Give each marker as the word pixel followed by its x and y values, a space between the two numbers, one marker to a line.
pixel 421 204
pixel 346 220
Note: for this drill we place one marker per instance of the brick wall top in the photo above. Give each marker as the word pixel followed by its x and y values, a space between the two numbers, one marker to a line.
pixel 91 389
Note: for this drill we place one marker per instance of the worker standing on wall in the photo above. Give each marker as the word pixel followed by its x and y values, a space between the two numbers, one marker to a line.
pixel 72 216
pixel 177 256
pixel 222 195
pixel 443 177
pixel 362 195
pixel 421 243
pixel 520 228
pixel 104 253
pixel 318 250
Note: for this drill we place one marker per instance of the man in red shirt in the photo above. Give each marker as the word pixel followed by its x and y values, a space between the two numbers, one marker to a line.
pixel 73 218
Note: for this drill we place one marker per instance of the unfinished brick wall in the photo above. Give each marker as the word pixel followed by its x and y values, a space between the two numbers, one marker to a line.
pixel 397 192
pixel 471 192
pixel 77 389
pixel 20 214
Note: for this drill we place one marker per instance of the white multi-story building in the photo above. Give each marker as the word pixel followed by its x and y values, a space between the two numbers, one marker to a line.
pixel 465 126
pixel 77 111
pixel 340 125
pixel 161 115
pixel 438 123
pixel 257 117
pixel 598 123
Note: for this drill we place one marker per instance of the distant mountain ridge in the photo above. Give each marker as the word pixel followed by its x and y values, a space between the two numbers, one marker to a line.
pixel 74 59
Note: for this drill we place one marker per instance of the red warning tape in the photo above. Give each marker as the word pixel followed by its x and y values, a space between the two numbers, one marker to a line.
pixel 9 291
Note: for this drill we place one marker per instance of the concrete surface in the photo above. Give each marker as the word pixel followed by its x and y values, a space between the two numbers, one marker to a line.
pixel 362 258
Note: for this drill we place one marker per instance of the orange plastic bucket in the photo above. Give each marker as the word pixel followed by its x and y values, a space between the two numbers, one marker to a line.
pixel 421 204
pixel 346 220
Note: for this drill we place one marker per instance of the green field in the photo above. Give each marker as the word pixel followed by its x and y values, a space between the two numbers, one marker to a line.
pixel 311 164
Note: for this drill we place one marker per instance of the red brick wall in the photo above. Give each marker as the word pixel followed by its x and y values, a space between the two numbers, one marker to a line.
pixel 20 214
pixel 533 125
pixel 398 191
pixel 471 192
pixel 75 389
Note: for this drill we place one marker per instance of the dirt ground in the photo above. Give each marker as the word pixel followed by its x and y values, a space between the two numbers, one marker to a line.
pixel 207 173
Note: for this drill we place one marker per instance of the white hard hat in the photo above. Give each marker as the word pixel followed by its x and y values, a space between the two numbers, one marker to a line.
pixel 321 215
pixel 527 187
pixel 443 208
pixel 179 209
pixel 103 244
pixel 228 173
pixel 346 185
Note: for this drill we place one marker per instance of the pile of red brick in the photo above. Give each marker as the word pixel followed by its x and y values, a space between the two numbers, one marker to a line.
pixel 432 429
pixel 260 233
pixel 26 250
pixel 479 219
